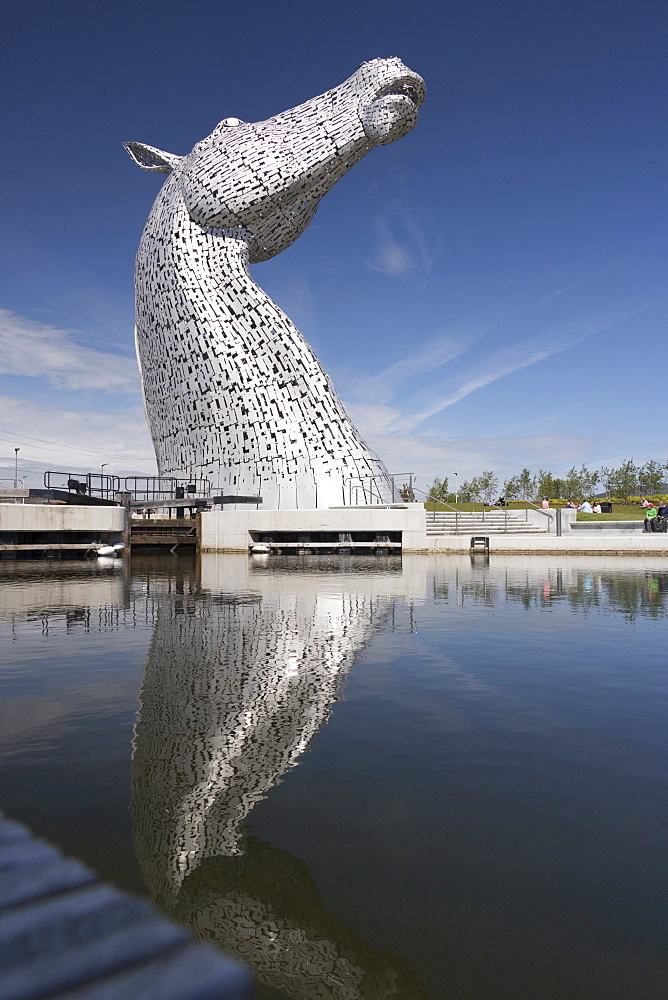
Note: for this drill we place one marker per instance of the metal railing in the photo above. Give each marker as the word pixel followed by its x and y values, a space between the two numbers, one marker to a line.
pixel 548 514
pixel 13 484
pixel 485 505
pixel 165 487
pixel 92 484
pixel 369 488
pixel 444 503
pixel 105 487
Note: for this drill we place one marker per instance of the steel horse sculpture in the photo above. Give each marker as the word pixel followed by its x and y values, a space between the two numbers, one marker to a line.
pixel 232 391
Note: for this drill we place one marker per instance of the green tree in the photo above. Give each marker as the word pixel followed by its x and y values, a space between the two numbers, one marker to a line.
pixel 588 480
pixel 488 485
pixel 651 477
pixel 624 480
pixel 511 488
pixel 605 478
pixel 548 485
pixel 438 490
pixel 482 487
pixel 526 484
pixel 573 484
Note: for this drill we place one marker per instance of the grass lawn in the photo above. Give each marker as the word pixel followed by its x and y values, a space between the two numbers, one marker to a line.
pixel 620 512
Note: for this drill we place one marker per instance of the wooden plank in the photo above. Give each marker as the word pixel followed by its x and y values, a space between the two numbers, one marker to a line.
pixel 329 545
pixel 160 539
pixel 43 546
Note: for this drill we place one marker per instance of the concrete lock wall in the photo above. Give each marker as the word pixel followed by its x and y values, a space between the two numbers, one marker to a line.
pixel 590 544
pixel 230 531
pixel 45 517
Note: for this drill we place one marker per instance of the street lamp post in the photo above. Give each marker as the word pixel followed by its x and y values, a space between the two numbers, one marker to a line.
pixel 456 489
pixel 16 468
pixel 104 465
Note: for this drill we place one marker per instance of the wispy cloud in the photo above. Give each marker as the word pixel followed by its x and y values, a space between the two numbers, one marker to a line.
pixel 406 241
pixel 429 454
pixel 391 257
pixel 458 339
pixel 513 358
pixel 53 437
pixel 30 348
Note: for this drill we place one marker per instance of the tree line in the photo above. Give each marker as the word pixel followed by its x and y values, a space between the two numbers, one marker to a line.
pixel 625 481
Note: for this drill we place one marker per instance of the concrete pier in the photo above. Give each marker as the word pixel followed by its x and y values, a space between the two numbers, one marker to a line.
pixel 52 528
pixel 393 527
pixel 406 530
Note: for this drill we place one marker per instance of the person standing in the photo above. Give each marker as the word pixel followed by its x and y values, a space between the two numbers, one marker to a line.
pixel 545 504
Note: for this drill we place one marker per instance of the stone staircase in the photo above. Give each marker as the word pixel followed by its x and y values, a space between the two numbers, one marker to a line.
pixel 446 522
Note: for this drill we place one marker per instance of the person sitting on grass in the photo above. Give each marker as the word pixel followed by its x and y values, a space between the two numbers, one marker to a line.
pixel 596 509
pixel 645 503
pixel 650 514
pixel 585 508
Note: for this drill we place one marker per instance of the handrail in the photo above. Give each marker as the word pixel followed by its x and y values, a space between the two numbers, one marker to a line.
pixel 487 503
pixel 527 503
pixel 491 503
pixel 430 499
pixel 445 504
pixel 370 488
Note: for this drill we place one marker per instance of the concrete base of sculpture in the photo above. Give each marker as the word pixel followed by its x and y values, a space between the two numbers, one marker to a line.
pixel 239 530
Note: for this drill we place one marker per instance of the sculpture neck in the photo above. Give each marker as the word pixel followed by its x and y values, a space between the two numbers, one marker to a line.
pixel 226 257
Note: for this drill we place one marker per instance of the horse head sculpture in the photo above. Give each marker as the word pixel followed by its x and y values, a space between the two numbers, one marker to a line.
pixel 232 391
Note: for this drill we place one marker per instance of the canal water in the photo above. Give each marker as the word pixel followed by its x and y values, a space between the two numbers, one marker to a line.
pixel 372 779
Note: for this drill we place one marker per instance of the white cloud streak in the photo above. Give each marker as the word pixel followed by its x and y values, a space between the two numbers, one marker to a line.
pixel 511 359
pixel 391 257
pixel 51 437
pixel 32 349
pixel 429 454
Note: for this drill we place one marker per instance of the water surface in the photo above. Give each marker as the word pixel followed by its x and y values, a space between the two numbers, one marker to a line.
pixel 371 779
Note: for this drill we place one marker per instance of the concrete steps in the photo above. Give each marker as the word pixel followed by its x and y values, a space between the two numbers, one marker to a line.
pixel 472 523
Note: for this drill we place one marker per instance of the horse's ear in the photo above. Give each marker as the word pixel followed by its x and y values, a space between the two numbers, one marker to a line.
pixel 150 158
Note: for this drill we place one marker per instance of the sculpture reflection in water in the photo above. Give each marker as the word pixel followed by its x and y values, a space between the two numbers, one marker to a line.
pixel 234 690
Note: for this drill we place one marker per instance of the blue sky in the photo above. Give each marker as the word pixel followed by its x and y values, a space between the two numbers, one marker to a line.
pixel 489 292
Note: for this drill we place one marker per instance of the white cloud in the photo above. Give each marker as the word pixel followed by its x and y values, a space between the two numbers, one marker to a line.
pixel 391 257
pixel 33 349
pixel 385 385
pixel 431 454
pixel 51 437
pixel 510 359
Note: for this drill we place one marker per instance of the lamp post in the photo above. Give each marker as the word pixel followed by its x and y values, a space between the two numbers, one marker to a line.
pixel 16 468
pixel 456 489
pixel 104 465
